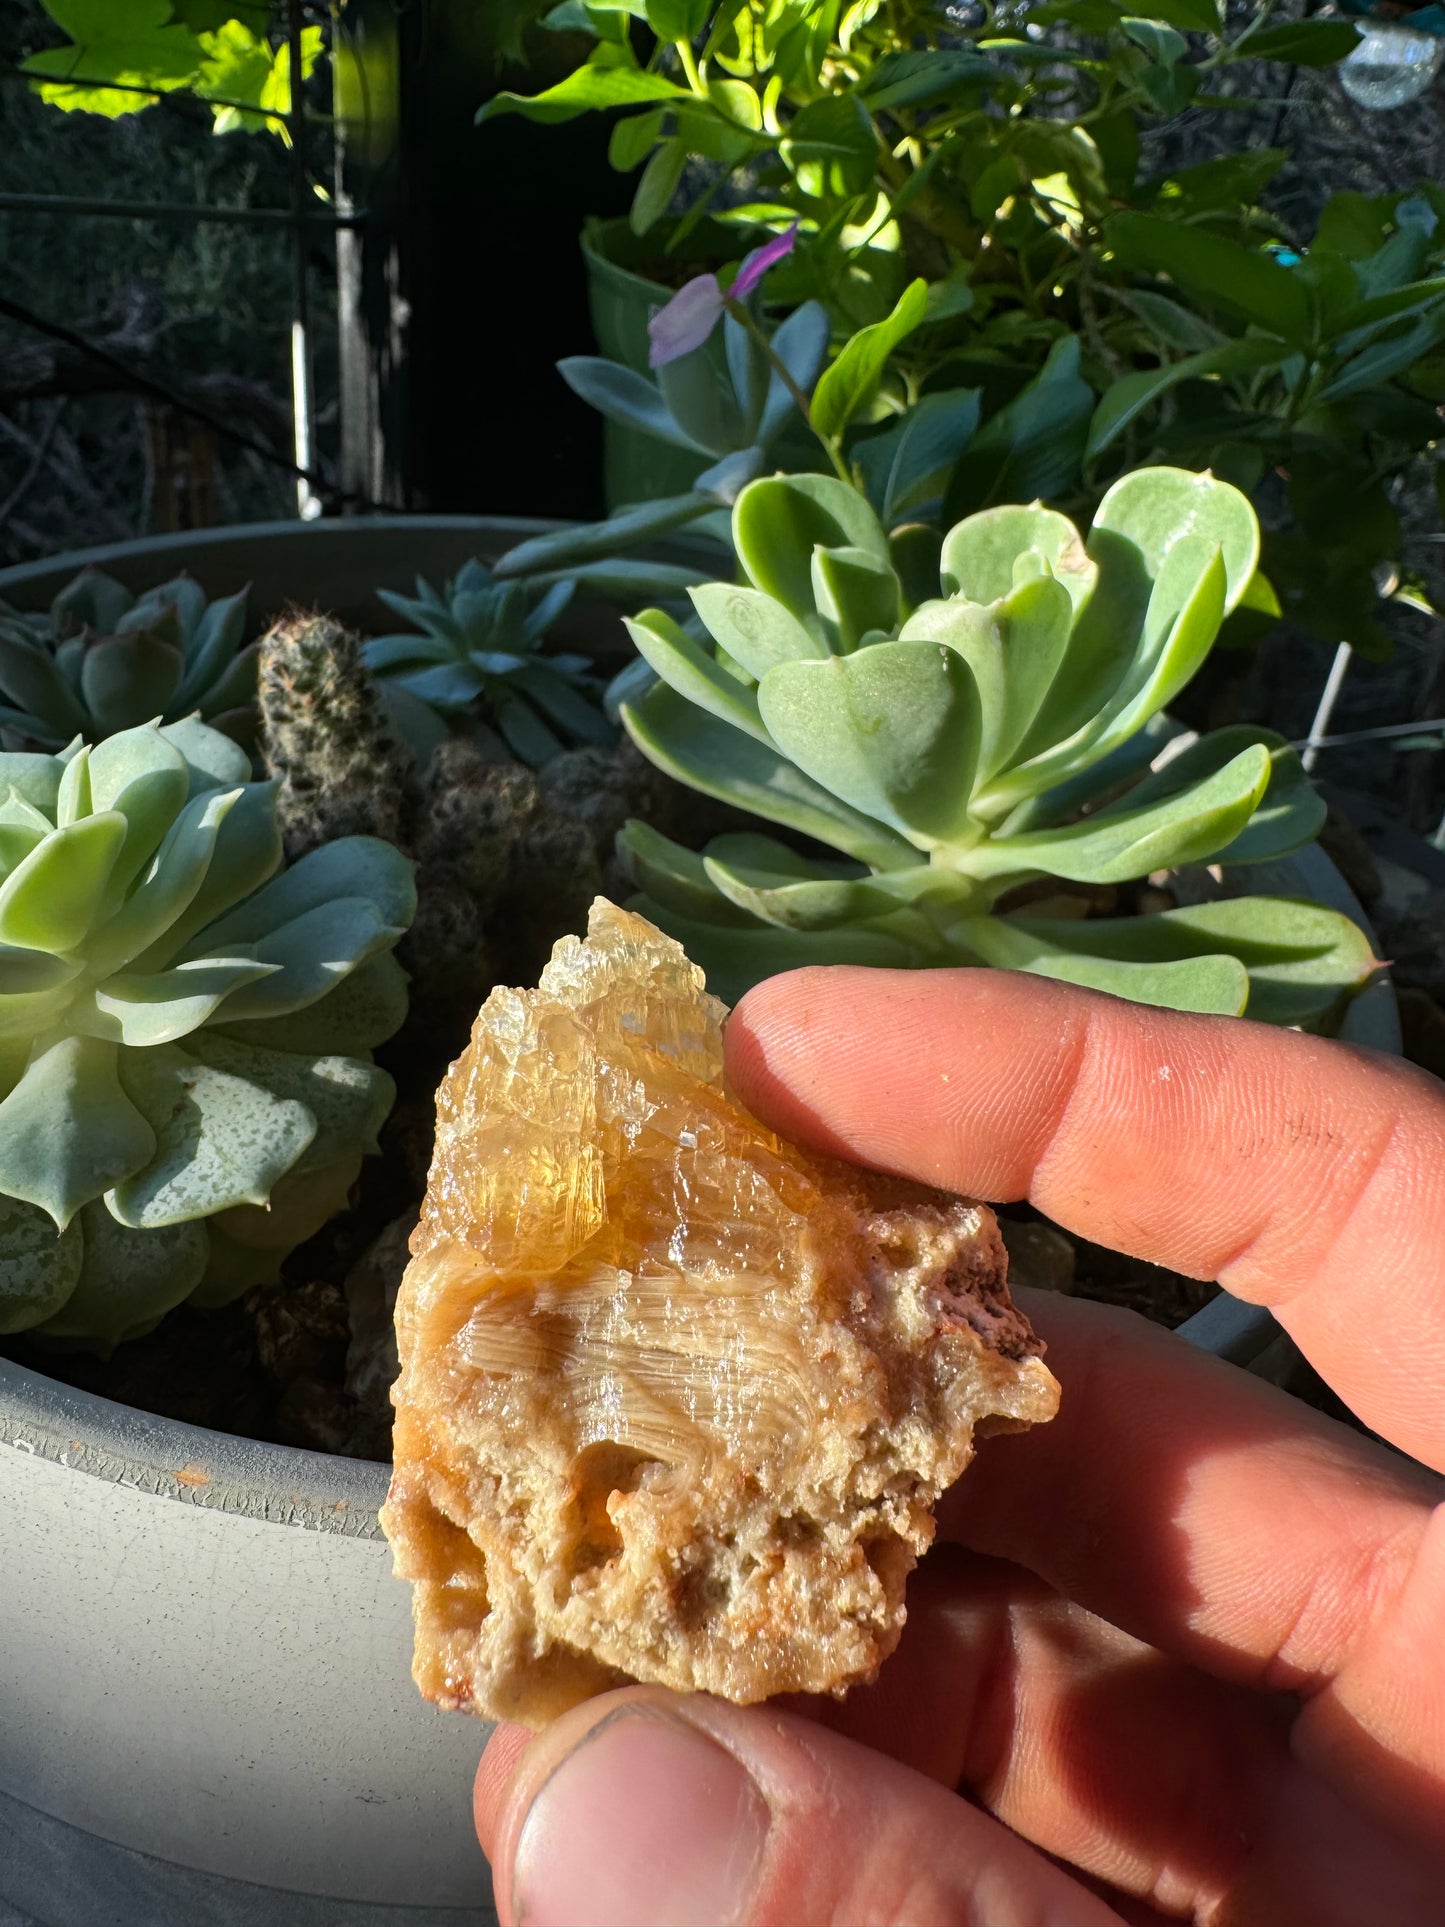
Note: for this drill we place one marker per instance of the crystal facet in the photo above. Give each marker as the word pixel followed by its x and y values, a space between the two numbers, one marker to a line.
pixel 676 1397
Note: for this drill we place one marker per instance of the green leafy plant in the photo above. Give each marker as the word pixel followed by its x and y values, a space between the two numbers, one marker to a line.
pixel 120 56
pixel 185 1029
pixel 474 657
pixel 959 721
pixel 101 660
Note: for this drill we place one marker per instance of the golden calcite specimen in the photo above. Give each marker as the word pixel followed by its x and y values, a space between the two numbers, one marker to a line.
pixel 676 1398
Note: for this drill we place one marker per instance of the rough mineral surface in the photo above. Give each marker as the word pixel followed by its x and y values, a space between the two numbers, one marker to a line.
pixel 676 1398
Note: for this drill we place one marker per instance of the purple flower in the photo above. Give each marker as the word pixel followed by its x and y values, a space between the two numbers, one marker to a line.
pixel 695 310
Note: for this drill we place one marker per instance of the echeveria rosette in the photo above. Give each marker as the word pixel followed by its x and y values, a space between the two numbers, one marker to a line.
pixel 959 721
pixel 475 658
pixel 186 1090
pixel 101 660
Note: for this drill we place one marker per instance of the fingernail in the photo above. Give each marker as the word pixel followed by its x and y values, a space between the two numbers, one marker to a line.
pixel 648 1824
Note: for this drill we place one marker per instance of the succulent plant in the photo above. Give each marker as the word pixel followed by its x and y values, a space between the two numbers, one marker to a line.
pixel 101 660
pixel 185 1029
pixel 957 723
pixel 475 654
pixel 738 421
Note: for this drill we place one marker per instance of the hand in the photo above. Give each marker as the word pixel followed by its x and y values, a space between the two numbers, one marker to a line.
pixel 1179 1654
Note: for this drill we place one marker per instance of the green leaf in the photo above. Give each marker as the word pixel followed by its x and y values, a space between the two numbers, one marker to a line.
pixel 677 19
pixel 544 556
pixel 132 46
pixel 856 596
pixel 1291 812
pixel 624 396
pixel 584 91
pixel 53 897
pixel 31 681
pixel 39 1267
pixel 983 555
pixel 735 959
pixel 914 77
pixel 1219 272
pixel 1190 827
pixel 350 868
pixel 153 914
pixel 313 953
pixel 348 1098
pixel 1306 43
pixel 686 667
pixel 219 1139
pixel 846 387
pixel 830 148
pixel 633 139
pixel 1165 46
pixel 754 629
pixel 673 875
pixel 362 1011
pixel 893 730
pixel 779 520
pixel 709 756
pixel 68 1129
pixel 214 760
pixel 163 1006
pixel 922 451
pixel 1034 444
pixel 1131 395
pixel 128 1279
pixel 1189 16
pixel 1014 647
pixel 657 186
pixel 1216 985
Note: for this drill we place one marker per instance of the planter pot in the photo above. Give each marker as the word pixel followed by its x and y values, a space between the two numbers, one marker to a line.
pixel 205 1708
pixel 620 299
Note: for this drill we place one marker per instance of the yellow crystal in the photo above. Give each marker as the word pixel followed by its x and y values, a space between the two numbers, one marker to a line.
pixel 676 1397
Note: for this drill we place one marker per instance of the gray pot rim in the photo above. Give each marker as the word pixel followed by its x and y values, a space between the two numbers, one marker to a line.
pixel 325 1492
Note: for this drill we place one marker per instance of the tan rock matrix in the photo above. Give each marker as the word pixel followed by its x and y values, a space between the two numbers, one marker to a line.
pixel 676 1398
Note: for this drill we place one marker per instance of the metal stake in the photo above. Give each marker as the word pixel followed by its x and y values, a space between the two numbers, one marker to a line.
pixel 1320 727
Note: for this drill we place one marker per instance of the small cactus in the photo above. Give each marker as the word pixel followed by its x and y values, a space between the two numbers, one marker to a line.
pixel 325 734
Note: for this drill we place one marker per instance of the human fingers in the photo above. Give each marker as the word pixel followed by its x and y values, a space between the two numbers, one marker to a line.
pixel 647 1809
pixel 1165 1785
pixel 1302 1174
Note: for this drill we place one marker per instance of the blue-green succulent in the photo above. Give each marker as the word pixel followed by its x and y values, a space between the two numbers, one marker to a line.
pixel 953 723
pixel 186 1027
pixel 101 660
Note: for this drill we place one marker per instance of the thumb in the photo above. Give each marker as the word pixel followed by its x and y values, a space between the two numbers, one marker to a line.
pixel 647 1809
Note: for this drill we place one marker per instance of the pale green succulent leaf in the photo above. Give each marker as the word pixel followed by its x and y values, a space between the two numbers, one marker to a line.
pixel 151 917
pixel 233 690
pixel 219 1140
pixel 685 666
pixel 750 849
pixel 54 895
pixel 818 903
pixel 353 866
pixel 146 781
pixel 709 756
pixel 363 1010
pixel 128 1279
pixel 855 593
pixel 232 1269
pixel 981 554
pixel 158 1007
pixel 1189 827
pixel 22 826
pixel 301 1203
pixel 25 1016
pixel 312 954
pixel 893 730
pixel 755 630
pixel 35 779
pixel 72 799
pixel 779 520
pixel 735 959
pixel 1303 960
pixel 348 1097
pixel 1291 813
pixel 214 760
pixel 126 680
pixel 246 853
pixel 23 972
pixel 540 556
pixel 69 1130
pixel 39 1266
pixel 674 876
pixel 1213 984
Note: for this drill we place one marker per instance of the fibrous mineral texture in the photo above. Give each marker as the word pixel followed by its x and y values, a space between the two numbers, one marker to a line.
pixel 676 1397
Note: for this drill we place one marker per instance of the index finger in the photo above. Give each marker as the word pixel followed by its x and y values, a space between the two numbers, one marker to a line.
pixel 1304 1175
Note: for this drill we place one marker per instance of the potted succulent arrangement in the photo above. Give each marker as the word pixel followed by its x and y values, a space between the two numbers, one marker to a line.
pixel 256 875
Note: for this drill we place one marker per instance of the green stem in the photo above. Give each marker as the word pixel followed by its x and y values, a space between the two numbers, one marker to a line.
pixel 780 368
pixel 690 67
